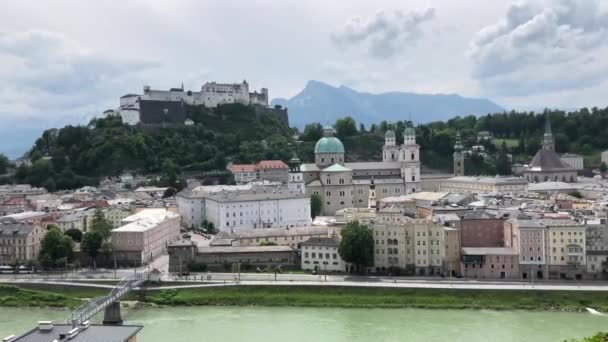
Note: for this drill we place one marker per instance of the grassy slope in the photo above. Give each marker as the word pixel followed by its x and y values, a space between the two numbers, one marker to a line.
pixel 315 296
pixel 376 297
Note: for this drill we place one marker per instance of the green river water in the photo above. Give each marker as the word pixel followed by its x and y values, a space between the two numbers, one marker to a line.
pixel 270 324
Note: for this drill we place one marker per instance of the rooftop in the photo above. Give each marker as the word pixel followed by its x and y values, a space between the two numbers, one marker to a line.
pixel 321 241
pixel 488 180
pixel 92 333
pixel 245 249
pixel 547 160
pixel 145 220
pixel 8 229
pixel 336 168
pixel 488 251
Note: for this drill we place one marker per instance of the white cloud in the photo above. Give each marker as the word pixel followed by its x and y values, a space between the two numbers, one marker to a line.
pixel 541 47
pixel 45 72
pixel 385 33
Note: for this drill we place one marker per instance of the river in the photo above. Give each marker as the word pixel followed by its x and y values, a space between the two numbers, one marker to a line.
pixel 269 324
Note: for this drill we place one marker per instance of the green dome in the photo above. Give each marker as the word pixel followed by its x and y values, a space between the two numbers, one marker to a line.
pixel 389 134
pixel 329 145
pixel 409 131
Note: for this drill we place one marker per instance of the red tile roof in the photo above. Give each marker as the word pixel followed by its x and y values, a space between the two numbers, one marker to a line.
pixel 271 164
pixel 234 168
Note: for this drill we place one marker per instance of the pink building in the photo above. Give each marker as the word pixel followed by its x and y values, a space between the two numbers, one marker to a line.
pixel 145 235
pixel 481 229
pixel 529 238
pixel 489 263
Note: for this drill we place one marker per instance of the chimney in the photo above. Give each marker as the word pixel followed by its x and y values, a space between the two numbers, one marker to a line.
pixel 45 325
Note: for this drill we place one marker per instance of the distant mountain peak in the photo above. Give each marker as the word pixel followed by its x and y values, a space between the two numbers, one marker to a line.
pixel 322 102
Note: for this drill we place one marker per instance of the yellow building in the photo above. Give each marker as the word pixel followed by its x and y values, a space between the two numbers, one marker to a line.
pixel 566 248
pixel 420 246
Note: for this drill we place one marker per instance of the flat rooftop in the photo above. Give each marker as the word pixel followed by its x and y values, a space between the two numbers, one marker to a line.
pixel 92 333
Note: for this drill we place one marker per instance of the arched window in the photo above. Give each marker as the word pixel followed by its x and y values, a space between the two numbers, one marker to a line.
pixel 413 156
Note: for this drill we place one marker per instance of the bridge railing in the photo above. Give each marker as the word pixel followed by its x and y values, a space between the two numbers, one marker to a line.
pixel 89 309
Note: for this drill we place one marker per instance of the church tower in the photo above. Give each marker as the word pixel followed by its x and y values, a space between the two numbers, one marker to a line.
pixel 371 201
pixel 409 156
pixel 458 157
pixel 390 150
pixel 548 142
pixel 296 178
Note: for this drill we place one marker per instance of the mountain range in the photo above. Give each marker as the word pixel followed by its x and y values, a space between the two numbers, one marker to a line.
pixel 323 103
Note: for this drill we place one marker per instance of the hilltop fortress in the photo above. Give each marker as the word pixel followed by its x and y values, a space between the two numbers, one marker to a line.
pixel 159 106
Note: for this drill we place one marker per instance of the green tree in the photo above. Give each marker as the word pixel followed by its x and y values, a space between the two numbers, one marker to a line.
pixel 55 246
pixel 74 234
pixel 4 163
pixel 91 244
pixel 357 245
pixel 316 205
pixel 503 165
pixel 346 127
pixel 312 132
pixel 603 167
pixel 100 224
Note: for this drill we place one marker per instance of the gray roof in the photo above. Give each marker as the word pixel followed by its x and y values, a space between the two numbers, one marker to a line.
pixel 244 249
pixel 547 160
pixel 488 250
pixel 12 229
pixel 318 241
pixel 373 165
pixel 94 333
pixel 478 215
pixel 254 195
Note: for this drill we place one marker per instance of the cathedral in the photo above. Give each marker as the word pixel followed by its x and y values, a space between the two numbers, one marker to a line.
pixel 547 166
pixel 346 185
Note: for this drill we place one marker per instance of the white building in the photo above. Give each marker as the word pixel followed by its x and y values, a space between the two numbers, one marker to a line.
pixel 574 160
pixel 321 254
pixel 470 184
pixel 211 95
pixel 244 207
pixel 145 235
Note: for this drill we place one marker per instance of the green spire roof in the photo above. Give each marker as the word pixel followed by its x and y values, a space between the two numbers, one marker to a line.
pixel 389 134
pixel 409 131
pixel 458 146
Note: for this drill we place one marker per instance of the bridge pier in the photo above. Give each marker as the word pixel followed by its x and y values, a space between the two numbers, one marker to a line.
pixel 111 315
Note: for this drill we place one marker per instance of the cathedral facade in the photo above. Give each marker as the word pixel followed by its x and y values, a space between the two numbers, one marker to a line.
pixel 346 185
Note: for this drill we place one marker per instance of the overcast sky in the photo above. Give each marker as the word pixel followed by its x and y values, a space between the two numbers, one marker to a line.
pixel 70 60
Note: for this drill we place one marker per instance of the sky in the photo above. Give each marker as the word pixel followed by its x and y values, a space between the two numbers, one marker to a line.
pixel 65 61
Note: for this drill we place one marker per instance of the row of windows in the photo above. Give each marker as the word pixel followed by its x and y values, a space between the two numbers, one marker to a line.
pixel 314 255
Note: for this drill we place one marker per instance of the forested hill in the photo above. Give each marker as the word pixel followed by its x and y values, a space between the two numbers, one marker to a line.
pixel 79 155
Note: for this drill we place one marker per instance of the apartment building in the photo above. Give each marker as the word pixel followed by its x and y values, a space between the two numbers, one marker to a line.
pixel 597 249
pixel 489 263
pixel 420 246
pixel 19 242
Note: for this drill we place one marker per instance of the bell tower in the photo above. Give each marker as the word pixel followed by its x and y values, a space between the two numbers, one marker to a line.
pixel 458 157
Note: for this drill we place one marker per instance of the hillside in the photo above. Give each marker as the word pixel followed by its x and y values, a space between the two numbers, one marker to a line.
pixel 79 155
pixel 320 102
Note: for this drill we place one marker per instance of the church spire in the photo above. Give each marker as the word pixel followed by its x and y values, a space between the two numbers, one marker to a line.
pixel 548 142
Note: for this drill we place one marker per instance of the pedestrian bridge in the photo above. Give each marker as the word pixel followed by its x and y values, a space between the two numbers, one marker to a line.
pixel 110 302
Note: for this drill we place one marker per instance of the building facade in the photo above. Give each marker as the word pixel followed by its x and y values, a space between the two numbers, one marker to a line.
pixel 346 185
pixel 145 235
pixel 421 247
pixel 238 208
pixel 470 184
pixel 20 242
pixel 321 254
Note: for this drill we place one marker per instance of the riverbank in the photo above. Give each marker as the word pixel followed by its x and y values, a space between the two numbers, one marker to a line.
pixel 316 296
